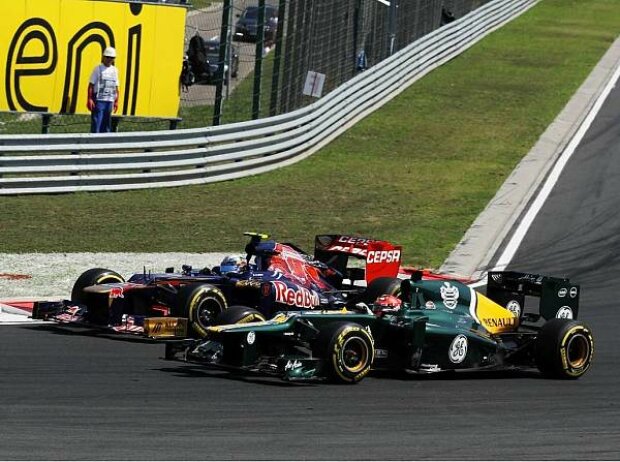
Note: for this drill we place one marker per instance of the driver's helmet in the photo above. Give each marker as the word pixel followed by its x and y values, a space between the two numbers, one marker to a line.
pixel 387 303
pixel 233 264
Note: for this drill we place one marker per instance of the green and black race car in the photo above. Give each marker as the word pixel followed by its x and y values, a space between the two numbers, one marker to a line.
pixel 421 327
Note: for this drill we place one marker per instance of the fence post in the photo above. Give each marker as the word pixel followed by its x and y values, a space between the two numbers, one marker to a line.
pixel 392 26
pixel 219 77
pixel 275 78
pixel 45 123
pixel 258 64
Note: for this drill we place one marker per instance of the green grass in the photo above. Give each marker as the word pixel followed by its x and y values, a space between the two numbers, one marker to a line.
pixel 417 172
pixel 201 3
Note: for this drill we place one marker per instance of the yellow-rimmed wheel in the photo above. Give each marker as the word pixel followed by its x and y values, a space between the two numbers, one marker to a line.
pixel 354 355
pixel 201 304
pixel 239 315
pixel 347 350
pixel 96 304
pixel 564 349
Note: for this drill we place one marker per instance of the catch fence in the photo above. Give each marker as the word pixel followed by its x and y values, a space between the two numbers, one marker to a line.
pixel 312 48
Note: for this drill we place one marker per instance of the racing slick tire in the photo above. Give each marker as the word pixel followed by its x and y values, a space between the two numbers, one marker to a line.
pixel 239 315
pixel 347 350
pixel 97 304
pixel 382 286
pixel 201 304
pixel 564 349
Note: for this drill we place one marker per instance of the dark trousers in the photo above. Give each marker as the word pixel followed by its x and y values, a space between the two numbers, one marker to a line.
pixel 101 117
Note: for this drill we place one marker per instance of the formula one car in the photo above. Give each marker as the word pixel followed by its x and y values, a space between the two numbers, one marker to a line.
pixel 272 277
pixel 433 326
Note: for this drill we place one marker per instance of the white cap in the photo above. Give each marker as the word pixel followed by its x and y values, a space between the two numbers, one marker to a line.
pixel 109 52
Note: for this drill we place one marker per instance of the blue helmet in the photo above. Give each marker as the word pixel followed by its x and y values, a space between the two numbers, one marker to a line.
pixel 233 264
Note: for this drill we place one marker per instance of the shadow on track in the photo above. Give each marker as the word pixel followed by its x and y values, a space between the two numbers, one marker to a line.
pixel 194 370
pixel 86 331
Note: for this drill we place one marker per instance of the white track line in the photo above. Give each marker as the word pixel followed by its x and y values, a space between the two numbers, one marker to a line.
pixel 11 316
pixel 525 224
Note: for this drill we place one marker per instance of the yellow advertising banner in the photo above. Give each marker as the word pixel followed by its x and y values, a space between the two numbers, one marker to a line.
pixel 49 48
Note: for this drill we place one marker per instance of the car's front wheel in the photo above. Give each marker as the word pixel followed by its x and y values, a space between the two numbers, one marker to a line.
pixel 96 304
pixel 201 304
pixel 347 351
pixel 239 315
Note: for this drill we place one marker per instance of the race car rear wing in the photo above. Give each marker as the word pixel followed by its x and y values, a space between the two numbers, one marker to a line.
pixel 328 245
pixel 559 298
pixel 382 257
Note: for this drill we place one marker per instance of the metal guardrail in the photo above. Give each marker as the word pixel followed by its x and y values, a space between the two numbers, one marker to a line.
pixel 121 161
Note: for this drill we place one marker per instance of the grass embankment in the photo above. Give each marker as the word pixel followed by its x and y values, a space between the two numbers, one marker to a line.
pixel 201 3
pixel 417 172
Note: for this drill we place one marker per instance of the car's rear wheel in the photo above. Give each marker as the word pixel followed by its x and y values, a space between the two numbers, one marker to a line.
pixel 564 349
pixel 382 286
pixel 347 351
pixel 239 315
pixel 201 304
pixel 96 304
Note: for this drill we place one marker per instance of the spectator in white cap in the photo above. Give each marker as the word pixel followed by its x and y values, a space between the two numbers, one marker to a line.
pixel 103 93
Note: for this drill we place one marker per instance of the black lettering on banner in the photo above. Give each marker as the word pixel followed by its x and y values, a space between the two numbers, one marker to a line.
pixel 135 8
pixel 32 29
pixel 33 51
pixel 132 73
pixel 94 32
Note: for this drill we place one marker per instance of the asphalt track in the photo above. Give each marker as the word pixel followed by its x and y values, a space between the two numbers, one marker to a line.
pixel 70 396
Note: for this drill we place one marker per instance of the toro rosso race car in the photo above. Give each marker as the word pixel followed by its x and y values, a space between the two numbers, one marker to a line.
pixel 427 326
pixel 272 277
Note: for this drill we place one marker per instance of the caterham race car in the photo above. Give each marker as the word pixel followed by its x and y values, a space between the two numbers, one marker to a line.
pixel 270 278
pixel 425 327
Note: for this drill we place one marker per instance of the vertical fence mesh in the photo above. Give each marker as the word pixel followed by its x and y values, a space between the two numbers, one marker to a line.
pixel 304 43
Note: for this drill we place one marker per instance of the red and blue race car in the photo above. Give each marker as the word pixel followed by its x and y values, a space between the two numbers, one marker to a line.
pixel 271 277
